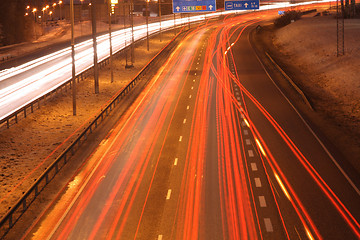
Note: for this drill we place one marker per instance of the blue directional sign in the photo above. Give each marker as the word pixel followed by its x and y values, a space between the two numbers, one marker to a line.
pixel 181 6
pixel 242 5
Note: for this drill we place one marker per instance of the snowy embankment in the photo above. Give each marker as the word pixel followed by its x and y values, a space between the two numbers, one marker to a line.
pixel 333 83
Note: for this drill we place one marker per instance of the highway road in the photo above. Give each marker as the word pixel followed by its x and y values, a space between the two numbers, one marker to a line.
pixel 211 149
pixel 22 84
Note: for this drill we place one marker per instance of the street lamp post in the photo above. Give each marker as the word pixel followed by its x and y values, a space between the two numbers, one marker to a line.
pixel 160 19
pixel 60 3
pixel 174 24
pixel 147 24
pixel 110 42
pixel 132 33
pixel 73 55
pixel 96 69
pixel 81 27
pixel 34 12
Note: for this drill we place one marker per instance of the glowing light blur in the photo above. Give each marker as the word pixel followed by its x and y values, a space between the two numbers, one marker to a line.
pixel 25 83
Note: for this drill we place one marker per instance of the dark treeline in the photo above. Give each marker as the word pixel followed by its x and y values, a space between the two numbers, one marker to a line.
pixel 15 27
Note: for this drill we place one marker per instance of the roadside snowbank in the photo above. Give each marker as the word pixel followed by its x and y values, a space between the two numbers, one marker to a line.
pixel 333 83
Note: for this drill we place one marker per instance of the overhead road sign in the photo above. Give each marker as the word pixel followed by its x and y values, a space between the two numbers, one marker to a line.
pixel 191 6
pixel 242 5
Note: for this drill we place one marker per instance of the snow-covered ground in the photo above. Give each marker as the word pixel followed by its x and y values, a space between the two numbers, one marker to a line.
pixel 333 83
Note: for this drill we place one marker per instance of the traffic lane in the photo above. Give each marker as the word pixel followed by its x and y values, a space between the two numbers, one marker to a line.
pixel 115 163
pixel 156 219
pixel 256 82
pixel 213 219
pixel 184 115
pixel 247 164
pixel 138 148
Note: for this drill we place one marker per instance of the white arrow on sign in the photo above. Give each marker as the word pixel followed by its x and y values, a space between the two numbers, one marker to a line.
pixel 246 5
pixel 211 7
pixel 177 8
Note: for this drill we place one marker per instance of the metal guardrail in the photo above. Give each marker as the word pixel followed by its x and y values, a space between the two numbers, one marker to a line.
pixel 13 215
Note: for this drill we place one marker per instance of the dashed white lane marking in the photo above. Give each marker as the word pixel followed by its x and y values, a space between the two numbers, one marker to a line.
pixel 268 225
pixel 257 182
pixel 262 201
pixel 188 107
pixel 168 195
pixel 190 96
pixel 176 161
pixel 246 132
pixel 243 124
pixel 251 153
pixel 237 93
pixel 195 74
pixel 247 141
pixel 192 88
pixel 238 98
pixel 184 121
pixel 180 138
pixel 253 167
pixel 197 63
pixel 194 80
pixel 160 237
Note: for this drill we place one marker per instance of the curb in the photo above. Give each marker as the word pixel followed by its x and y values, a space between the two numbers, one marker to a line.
pixel 305 99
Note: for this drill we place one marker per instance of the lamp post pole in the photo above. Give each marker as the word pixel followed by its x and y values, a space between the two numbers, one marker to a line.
pixel 96 69
pixel 160 19
pixel 147 24
pixel 132 32
pixel 110 42
pixel 73 55
pixel 60 3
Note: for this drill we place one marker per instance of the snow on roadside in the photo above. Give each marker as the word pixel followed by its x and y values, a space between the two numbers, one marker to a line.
pixel 332 82
pixel 312 41
pixel 29 146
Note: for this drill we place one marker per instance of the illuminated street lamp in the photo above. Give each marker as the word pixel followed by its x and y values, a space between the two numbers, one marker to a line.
pixel 34 12
pixel 110 4
pixel 60 2
pixel 43 15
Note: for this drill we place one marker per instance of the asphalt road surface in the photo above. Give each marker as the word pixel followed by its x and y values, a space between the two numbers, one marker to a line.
pixel 211 149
